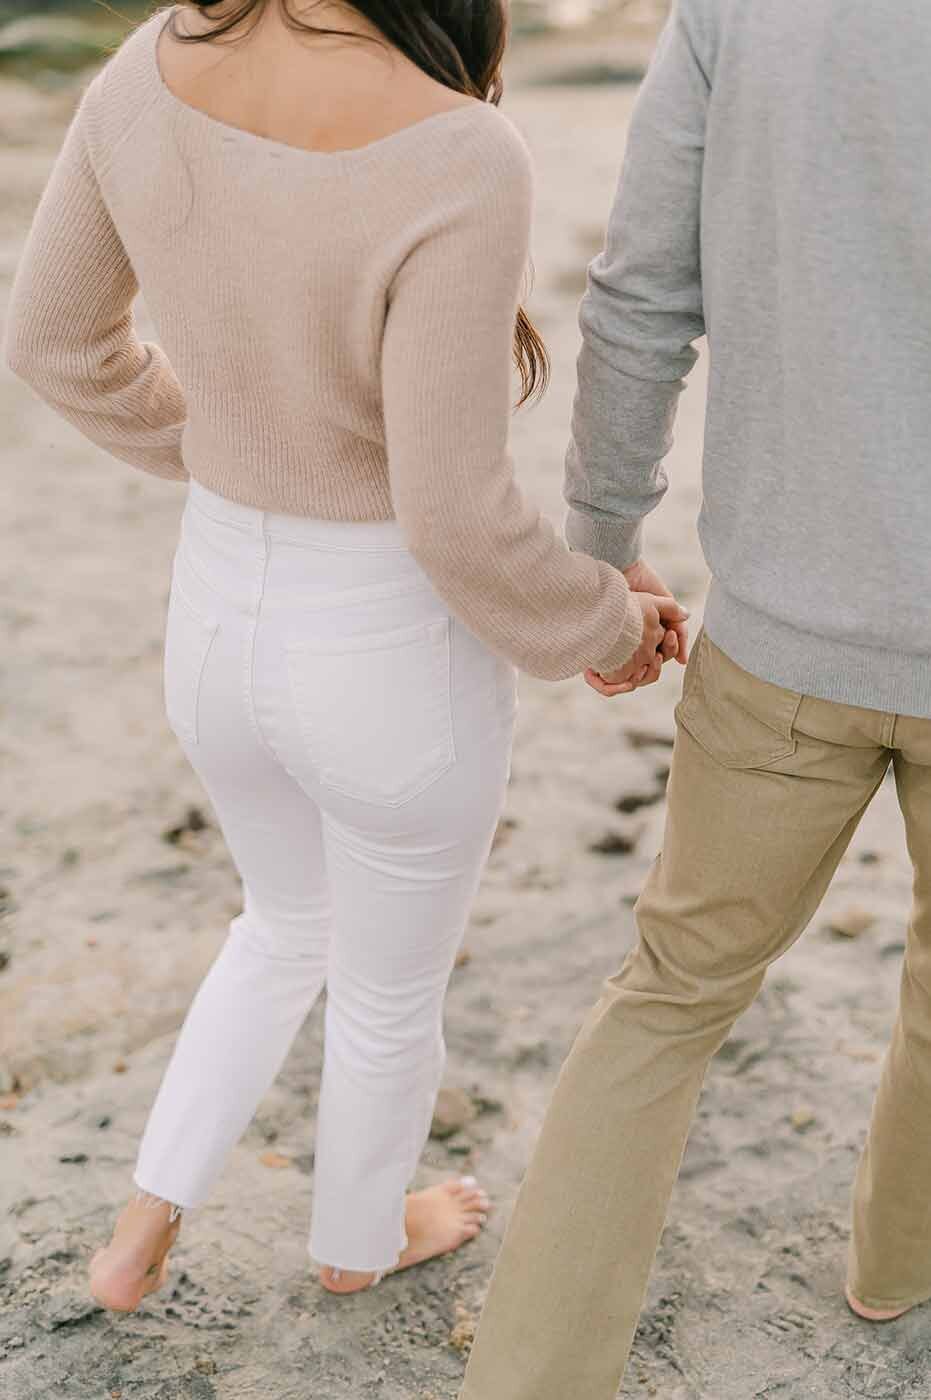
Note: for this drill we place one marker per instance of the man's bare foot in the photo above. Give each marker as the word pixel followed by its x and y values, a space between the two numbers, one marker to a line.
pixel 871 1314
pixel 436 1221
pixel 135 1262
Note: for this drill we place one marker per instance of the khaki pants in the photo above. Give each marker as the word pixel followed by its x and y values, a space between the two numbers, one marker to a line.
pixel 767 788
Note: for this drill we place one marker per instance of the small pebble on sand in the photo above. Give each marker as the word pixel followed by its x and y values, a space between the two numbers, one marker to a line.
pixel 463 1332
pixel 852 921
pixel 276 1160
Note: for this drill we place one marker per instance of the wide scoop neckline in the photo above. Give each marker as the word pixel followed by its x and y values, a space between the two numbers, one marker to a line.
pixel 348 155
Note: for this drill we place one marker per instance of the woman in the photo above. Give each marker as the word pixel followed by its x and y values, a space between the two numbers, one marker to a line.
pixel 329 222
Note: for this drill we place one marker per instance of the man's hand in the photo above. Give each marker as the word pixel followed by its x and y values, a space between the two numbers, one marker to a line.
pixel 662 620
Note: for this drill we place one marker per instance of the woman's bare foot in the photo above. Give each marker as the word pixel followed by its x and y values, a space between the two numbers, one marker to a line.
pixel 436 1221
pixel 135 1262
pixel 871 1314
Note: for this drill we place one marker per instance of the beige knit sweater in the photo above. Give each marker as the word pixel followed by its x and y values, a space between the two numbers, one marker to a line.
pixel 335 338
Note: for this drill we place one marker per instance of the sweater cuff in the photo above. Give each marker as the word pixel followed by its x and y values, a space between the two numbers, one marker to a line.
pixel 615 541
pixel 627 643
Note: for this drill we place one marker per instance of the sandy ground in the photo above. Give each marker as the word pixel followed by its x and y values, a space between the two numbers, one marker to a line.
pixel 105 929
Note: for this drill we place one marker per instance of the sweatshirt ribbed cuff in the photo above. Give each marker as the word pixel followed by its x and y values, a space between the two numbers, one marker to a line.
pixel 618 542
pixel 631 636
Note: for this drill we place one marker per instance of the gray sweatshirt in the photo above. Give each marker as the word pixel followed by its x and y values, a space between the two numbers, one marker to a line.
pixel 776 194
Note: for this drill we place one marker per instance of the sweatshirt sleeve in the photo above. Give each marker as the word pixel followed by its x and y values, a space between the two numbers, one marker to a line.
pixel 71 333
pixel 448 398
pixel 643 308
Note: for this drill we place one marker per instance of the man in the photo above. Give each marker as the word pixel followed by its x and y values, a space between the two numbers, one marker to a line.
pixel 776 193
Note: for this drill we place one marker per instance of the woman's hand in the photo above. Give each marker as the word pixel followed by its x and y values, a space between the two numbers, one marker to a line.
pixel 663 625
pixel 642 578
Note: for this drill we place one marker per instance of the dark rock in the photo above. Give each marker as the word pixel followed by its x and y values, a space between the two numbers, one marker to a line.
pixel 649 738
pixel 613 843
pixel 194 821
pixel 637 800
pixel 454 1109
pixel 74 1159
pixel 754 1053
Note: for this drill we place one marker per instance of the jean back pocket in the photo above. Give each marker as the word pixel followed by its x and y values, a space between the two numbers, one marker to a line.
pixel 741 721
pixel 375 711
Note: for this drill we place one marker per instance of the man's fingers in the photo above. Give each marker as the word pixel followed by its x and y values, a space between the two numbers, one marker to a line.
pixel 669 647
pixel 670 611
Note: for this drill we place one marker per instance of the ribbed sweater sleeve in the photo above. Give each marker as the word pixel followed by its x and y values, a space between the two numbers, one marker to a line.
pixel 448 398
pixel 71 333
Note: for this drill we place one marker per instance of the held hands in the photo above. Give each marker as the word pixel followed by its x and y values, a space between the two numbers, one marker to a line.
pixel 665 635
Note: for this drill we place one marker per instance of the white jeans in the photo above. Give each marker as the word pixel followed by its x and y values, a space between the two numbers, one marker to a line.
pixel 354 739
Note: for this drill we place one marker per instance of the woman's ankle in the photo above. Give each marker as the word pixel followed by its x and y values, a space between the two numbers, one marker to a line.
pixel 149 1201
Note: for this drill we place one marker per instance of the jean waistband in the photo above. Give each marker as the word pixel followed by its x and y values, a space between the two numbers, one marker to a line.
pixel 361 536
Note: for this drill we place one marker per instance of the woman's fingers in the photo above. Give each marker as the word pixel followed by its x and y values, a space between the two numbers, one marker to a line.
pixel 608 688
pixel 666 643
pixel 653 671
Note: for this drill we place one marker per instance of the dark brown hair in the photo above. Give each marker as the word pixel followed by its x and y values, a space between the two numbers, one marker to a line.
pixel 459 43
